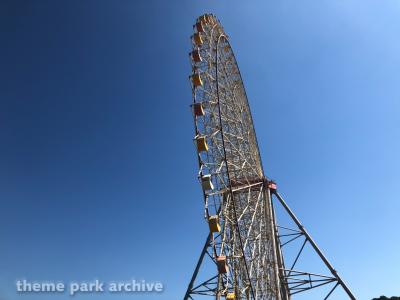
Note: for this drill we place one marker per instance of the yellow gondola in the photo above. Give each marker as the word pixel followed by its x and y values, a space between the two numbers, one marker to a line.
pixel 203 18
pixel 213 223
pixel 230 296
pixel 198 109
pixel 201 143
pixel 196 55
pixel 199 27
pixel 197 39
pixel 196 79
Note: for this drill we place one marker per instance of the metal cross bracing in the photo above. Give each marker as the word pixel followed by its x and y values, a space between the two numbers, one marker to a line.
pixel 243 246
pixel 296 281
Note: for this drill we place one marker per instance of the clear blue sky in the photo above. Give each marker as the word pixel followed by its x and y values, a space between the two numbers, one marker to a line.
pixel 97 165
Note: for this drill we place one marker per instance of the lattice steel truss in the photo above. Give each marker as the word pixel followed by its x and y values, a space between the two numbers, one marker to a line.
pixel 244 244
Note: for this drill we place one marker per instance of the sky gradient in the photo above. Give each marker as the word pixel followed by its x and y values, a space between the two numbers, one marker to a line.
pixel 97 165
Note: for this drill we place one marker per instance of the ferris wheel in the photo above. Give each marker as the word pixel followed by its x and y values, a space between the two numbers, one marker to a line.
pixel 243 241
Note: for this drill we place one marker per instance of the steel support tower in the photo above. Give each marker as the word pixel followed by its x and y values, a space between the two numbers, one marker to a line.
pixel 243 255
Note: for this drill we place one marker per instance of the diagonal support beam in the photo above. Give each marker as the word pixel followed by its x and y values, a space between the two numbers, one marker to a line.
pixel 196 270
